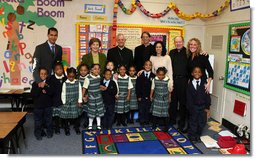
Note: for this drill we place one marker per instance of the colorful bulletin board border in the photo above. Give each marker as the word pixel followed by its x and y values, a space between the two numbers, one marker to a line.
pixel 137 140
pixel 103 31
pixel 238 68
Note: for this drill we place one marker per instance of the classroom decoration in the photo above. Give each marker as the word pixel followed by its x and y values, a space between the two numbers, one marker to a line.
pixel 238 4
pixel 170 6
pixel 140 140
pixel 238 66
pixel 17 21
pixel 105 32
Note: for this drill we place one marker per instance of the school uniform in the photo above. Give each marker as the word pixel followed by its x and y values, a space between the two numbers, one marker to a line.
pixel 133 100
pixel 95 99
pixel 122 106
pixel 84 104
pixel 109 102
pixel 57 83
pixel 42 98
pixel 161 100
pixel 197 101
pixel 71 95
pixel 143 88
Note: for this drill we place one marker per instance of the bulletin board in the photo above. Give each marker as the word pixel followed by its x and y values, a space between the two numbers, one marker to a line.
pixel 85 31
pixel 238 66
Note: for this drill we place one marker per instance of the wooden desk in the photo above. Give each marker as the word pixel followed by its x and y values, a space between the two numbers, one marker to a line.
pixel 16 96
pixel 7 134
pixel 11 117
pixel 12 121
pixel 6 129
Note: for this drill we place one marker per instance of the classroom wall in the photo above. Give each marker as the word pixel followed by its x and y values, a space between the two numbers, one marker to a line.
pixel 64 19
pixel 229 96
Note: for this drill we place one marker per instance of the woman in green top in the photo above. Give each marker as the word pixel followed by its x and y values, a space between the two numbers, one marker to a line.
pixel 94 57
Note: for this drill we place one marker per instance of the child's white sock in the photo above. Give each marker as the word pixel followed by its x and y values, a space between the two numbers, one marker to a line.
pixel 90 122
pixel 98 121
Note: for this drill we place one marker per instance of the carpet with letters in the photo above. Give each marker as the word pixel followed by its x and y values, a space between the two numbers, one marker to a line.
pixel 139 140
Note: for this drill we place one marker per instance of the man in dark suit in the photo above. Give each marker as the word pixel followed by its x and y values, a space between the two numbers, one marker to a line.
pixel 143 52
pixel 47 54
pixel 180 76
pixel 120 55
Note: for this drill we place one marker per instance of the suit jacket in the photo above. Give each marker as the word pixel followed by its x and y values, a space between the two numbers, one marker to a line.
pixel 120 57
pixel 110 93
pixel 42 100
pixel 88 59
pixel 143 85
pixel 198 98
pixel 142 54
pixel 43 57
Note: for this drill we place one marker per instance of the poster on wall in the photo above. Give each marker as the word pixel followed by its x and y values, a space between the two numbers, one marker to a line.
pixel 239 4
pixel 238 66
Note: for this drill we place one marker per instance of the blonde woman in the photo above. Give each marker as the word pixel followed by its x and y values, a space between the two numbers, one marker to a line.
pixel 202 61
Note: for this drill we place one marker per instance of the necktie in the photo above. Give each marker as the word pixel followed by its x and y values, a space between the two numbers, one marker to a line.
pixel 146 75
pixel 197 85
pixel 53 49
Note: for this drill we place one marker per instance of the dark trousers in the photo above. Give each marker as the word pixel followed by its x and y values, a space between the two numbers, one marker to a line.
pixel 178 97
pixel 144 110
pixel 86 119
pixel 197 121
pixel 43 117
pixel 109 115
pixel 164 121
pixel 75 122
pixel 121 118
pixel 56 122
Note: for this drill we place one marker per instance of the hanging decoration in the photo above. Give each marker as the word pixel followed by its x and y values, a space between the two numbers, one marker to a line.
pixel 170 6
pixel 125 10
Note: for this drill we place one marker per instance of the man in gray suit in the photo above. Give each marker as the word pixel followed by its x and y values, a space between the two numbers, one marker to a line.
pixel 47 54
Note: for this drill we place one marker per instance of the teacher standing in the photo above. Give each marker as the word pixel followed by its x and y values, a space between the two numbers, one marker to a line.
pixel 95 57
pixel 47 54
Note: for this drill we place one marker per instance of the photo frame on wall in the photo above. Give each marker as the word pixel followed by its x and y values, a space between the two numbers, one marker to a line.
pixel 239 4
pixel 238 64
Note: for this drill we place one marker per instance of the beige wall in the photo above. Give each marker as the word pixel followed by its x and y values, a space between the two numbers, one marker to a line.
pixel 229 96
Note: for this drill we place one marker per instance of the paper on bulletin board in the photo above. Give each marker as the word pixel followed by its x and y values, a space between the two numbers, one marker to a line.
pixel 66 56
pixel 172 34
pixel 133 36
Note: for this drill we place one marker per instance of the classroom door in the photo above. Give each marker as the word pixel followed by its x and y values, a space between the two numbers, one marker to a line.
pixel 213 46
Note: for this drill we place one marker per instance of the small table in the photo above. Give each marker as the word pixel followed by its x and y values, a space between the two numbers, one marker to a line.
pixel 16 96
pixel 6 134
pixel 13 118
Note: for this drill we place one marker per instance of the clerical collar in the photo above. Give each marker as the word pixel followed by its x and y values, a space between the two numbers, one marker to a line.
pixel 121 48
pixel 146 45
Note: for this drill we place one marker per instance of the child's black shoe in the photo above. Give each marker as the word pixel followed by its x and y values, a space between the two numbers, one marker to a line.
pixel 78 132
pixel 57 131
pixel 67 132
